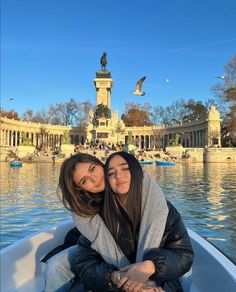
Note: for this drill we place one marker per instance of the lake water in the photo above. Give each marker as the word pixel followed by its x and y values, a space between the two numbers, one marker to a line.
pixel 205 195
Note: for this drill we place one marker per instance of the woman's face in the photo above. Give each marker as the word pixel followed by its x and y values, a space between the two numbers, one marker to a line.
pixel 89 177
pixel 119 175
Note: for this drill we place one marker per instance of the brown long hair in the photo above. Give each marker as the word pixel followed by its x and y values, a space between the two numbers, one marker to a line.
pixel 73 197
pixel 112 214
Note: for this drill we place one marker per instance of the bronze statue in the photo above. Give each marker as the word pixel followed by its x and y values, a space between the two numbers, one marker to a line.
pixel 104 61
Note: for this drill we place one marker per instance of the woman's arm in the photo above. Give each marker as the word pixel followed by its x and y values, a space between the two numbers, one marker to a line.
pixel 92 270
pixel 174 257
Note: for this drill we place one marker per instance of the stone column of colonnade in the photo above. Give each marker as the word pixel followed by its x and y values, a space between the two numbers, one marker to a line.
pixel 143 141
pixel 78 139
pixel 193 139
pixel 189 138
pixel 12 133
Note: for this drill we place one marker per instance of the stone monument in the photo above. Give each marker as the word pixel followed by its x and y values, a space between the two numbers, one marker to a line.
pixel 103 84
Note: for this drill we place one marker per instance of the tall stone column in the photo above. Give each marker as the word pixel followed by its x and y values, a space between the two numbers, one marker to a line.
pixel 11 138
pixel 8 138
pixel 1 137
pixel 103 84
pixel 213 129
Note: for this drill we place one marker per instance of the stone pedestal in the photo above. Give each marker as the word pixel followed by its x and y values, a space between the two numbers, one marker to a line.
pixel 24 151
pixel 103 84
pixel 67 149
pixel 175 150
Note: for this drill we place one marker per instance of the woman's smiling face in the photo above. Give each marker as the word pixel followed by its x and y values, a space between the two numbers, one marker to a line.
pixel 89 177
pixel 119 175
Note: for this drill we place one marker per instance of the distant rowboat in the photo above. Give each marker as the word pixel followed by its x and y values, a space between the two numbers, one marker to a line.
pixel 16 163
pixel 165 163
pixel 145 162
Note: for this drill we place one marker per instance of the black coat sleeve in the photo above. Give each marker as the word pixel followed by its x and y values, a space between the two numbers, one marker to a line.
pixel 174 257
pixel 92 270
pixel 71 239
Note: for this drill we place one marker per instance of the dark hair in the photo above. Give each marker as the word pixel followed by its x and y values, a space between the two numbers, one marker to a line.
pixel 73 197
pixel 112 214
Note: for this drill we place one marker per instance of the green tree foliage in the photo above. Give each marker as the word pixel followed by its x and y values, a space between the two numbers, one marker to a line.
pixel 136 115
pixel 25 141
pixel 102 111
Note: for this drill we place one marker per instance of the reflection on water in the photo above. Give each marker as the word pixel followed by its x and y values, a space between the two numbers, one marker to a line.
pixel 28 199
pixel 205 195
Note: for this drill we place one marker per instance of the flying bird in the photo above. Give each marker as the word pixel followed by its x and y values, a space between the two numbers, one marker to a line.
pixel 11 98
pixel 138 90
pixel 221 77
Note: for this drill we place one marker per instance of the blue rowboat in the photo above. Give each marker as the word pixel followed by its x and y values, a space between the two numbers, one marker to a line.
pixel 165 163
pixel 145 162
pixel 16 163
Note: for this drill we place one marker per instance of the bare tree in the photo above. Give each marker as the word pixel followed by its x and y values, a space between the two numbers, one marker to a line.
pixel 157 114
pixel 28 115
pixel 64 113
pixel 118 130
pixel 226 90
pixel 41 117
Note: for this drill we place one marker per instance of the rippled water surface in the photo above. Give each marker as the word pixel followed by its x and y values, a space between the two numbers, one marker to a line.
pixel 205 195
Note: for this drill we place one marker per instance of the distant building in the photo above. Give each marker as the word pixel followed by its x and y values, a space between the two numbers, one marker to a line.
pixel 201 133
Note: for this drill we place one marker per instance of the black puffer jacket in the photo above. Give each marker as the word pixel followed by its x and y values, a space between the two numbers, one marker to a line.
pixel 172 259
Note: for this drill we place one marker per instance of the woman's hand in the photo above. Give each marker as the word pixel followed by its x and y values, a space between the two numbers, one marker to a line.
pixel 115 277
pixel 136 287
pixel 135 274
pixel 157 289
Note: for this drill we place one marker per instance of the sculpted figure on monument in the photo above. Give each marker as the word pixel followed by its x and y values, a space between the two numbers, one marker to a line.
pixel 104 61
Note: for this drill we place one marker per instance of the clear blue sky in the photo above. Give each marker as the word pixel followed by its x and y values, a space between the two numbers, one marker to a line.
pixel 51 49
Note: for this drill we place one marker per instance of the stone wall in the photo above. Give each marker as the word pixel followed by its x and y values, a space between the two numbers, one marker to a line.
pixel 219 155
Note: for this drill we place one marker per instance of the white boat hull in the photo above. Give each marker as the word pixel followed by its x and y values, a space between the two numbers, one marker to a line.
pixel 22 271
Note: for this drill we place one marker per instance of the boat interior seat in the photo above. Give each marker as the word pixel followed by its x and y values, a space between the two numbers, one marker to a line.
pixel 186 281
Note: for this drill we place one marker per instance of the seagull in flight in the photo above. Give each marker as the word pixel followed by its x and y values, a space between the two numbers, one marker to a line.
pixel 138 90
pixel 221 77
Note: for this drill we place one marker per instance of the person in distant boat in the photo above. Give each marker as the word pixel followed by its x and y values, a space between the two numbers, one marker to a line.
pixel 168 250
pixel 132 247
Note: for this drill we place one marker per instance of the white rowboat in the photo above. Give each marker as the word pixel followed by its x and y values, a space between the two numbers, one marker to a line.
pixel 22 271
